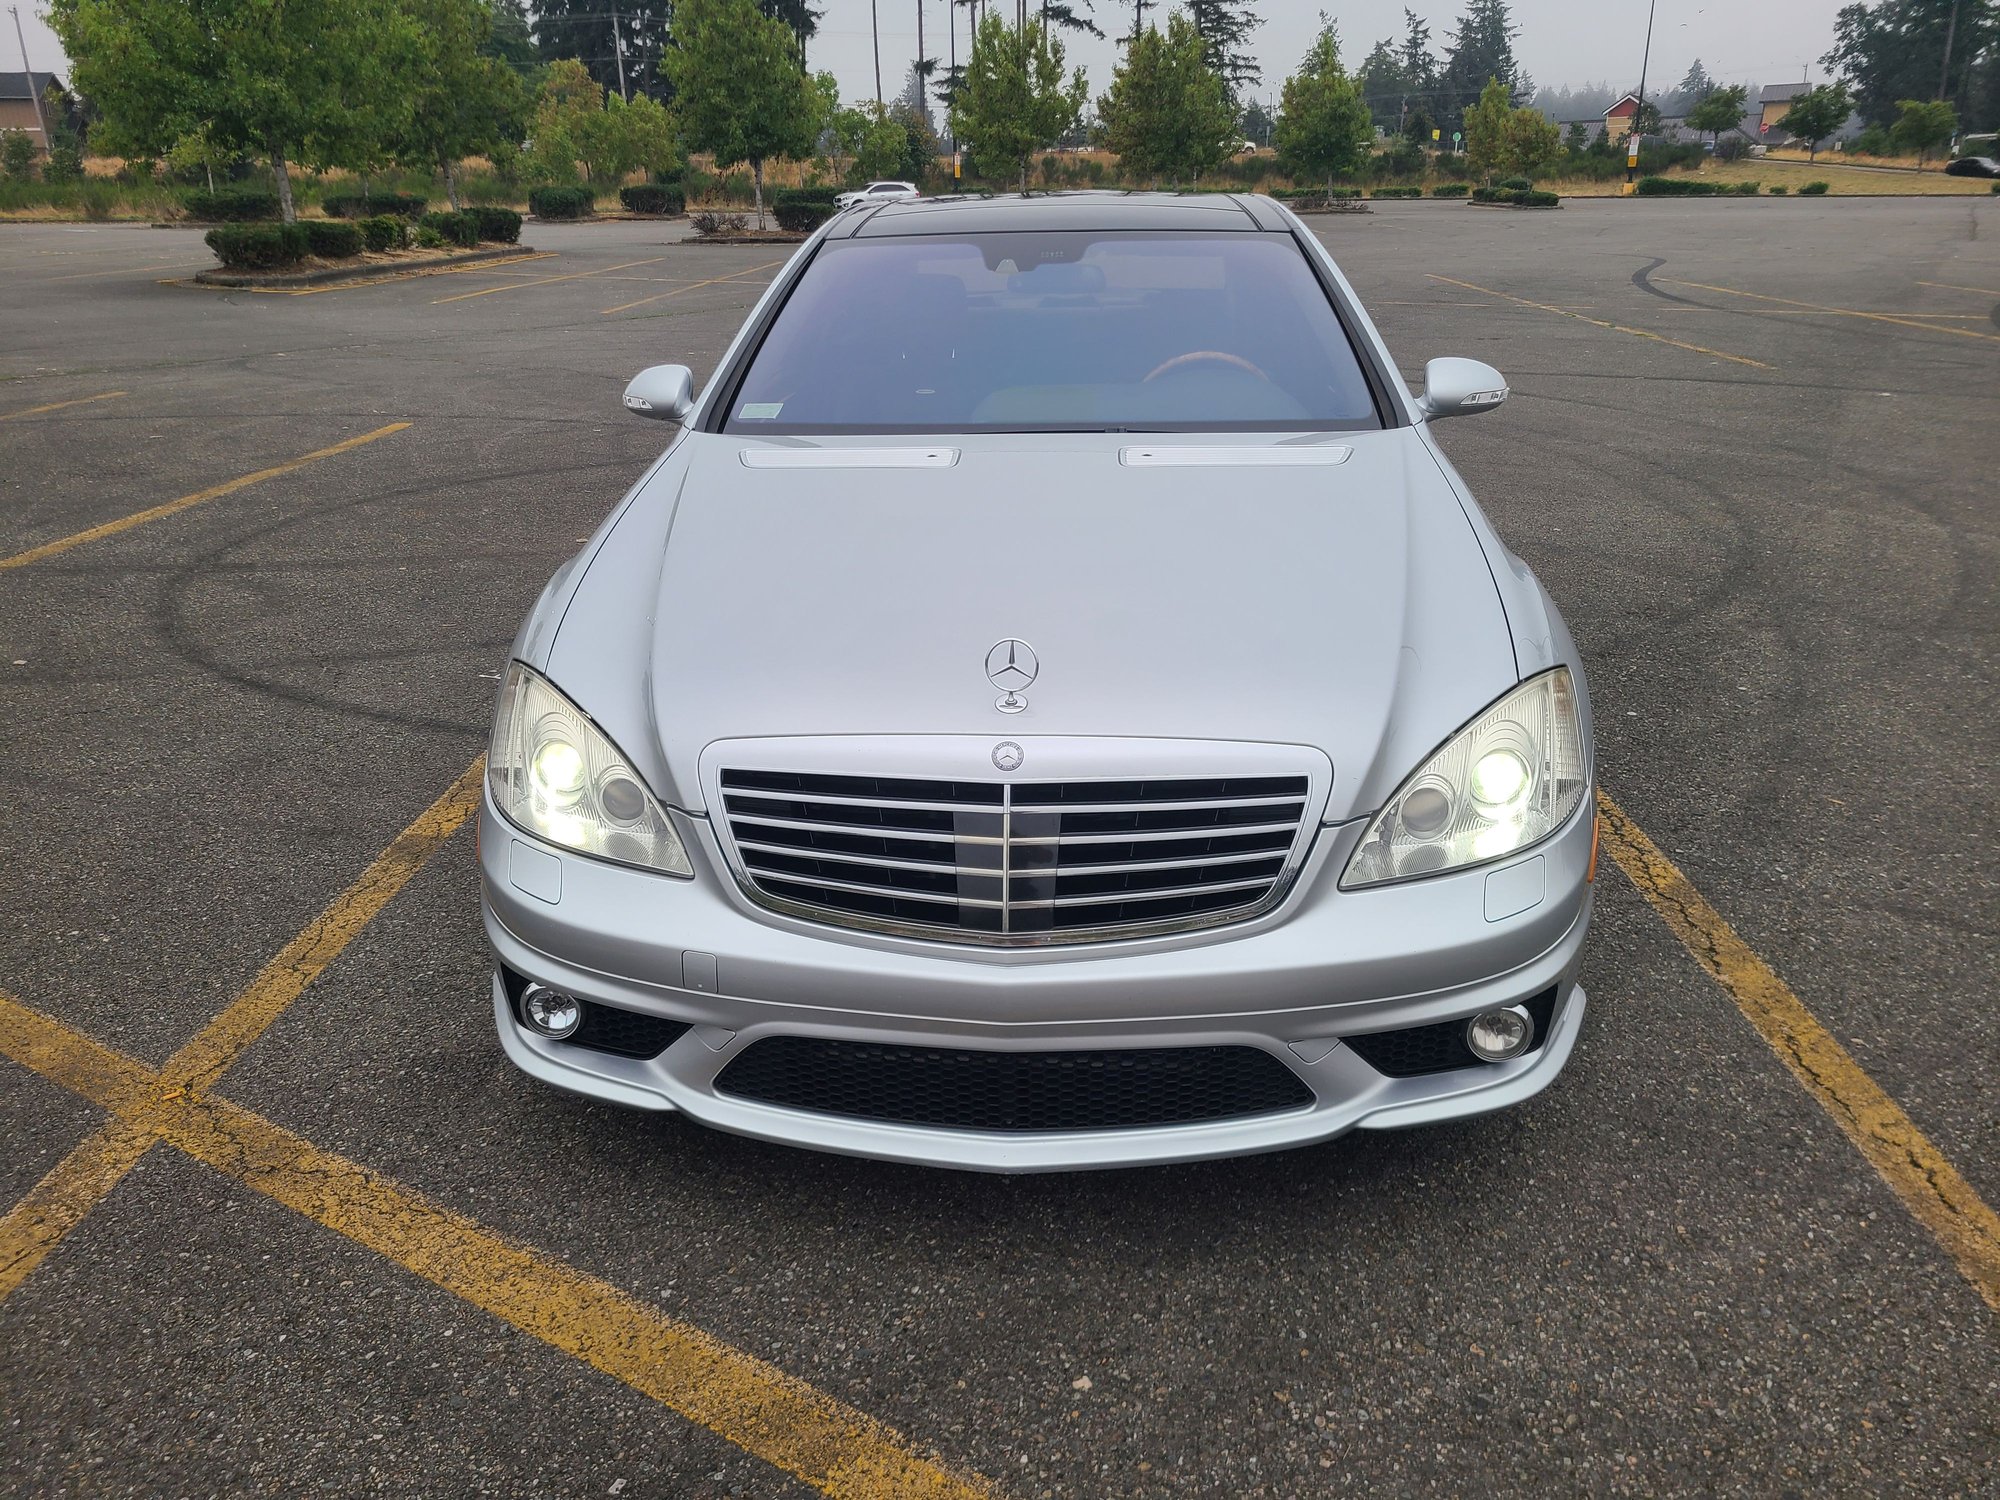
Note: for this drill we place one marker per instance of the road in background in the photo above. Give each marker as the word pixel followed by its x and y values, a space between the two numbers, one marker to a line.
pixel 1751 452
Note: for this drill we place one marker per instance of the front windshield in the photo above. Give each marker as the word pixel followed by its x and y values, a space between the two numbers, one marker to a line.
pixel 1056 332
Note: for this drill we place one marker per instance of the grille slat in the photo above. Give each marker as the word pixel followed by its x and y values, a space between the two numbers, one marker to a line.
pixel 1016 862
pixel 1014 1092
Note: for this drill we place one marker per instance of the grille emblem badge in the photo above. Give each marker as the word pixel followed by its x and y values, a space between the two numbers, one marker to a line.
pixel 1008 756
pixel 1010 666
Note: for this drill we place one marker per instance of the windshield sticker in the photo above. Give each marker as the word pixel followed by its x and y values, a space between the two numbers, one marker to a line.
pixel 759 411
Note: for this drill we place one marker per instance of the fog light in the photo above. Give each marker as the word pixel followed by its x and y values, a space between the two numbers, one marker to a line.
pixel 553 1014
pixel 1496 1035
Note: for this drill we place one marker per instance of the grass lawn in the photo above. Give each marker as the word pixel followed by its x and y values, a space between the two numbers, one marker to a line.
pixel 1791 172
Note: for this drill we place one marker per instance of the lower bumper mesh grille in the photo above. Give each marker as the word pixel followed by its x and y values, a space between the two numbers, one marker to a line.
pixel 1014 1092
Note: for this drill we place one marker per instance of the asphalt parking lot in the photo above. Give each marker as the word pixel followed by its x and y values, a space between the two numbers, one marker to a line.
pixel 283 1220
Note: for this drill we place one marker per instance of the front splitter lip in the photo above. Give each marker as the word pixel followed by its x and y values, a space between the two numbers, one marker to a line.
pixel 1349 1095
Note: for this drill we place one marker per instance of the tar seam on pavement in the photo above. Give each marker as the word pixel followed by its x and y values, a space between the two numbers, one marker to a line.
pixel 1643 333
pixel 172 507
pixel 1930 1187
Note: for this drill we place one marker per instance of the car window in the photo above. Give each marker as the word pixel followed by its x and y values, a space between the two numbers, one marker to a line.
pixel 1056 332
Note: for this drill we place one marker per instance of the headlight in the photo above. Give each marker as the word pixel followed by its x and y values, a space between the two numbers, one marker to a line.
pixel 553 772
pixel 1508 779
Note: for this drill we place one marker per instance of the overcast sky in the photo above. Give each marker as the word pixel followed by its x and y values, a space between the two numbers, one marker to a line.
pixel 1563 42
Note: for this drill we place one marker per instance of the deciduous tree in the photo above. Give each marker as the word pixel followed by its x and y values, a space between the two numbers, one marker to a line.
pixel 1016 98
pixel 1167 114
pixel 1922 126
pixel 301 83
pixel 738 86
pixel 1719 110
pixel 462 100
pixel 1817 114
pixel 1323 124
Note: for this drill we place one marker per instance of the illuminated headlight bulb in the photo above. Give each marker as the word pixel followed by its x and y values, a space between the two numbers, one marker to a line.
pixel 558 770
pixel 1500 779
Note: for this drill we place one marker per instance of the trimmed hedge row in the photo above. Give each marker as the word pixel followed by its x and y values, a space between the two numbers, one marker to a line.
pixel 1287 195
pixel 1396 192
pixel 561 202
pixel 1516 197
pixel 374 205
pixel 257 247
pixel 1813 189
pixel 653 198
pixel 265 247
pixel 802 210
pixel 1451 190
pixel 1693 187
pixel 230 208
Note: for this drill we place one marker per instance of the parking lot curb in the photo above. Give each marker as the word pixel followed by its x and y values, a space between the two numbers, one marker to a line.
pixel 338 276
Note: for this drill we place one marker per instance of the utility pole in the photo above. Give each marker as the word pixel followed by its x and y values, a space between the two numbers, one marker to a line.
pixel 1944 73
pixel 875 30
pixel 618 46
pixel 28 69
pixel 923 74
pixel 1645 61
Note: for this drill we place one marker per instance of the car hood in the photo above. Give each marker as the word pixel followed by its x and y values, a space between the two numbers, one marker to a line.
pixel 858 588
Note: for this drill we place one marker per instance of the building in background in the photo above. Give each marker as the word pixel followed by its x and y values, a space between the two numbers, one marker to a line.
pixel 18 92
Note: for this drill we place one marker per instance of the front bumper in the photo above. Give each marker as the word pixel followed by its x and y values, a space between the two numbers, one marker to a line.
pixel 1322 965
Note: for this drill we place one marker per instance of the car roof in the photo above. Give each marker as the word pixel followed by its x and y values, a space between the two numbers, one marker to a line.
pixel 1014 213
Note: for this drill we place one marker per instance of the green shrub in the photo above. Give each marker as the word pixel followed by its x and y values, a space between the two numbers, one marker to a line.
pixel 500 226
pixel 561 202
pixel 653 198
pixel 426 238
pixel 1777 190
pixel 1396 192
pixel 710 221
pixel 359 206
pixel 1813 189
pixel 384 232
pixel 1451 190
pixel 1518 184
pixel 17 156
pixel 1534 198
pixel 1495 194
pixel 801 218
pixel 1692 187
pixel 241 206
pixel 1741 190
pixel 64 163
pixel 330 239
pixel 257 247
pixel 452 228
pixel 824 194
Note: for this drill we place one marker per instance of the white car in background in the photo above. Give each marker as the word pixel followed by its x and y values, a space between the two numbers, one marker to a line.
pixel 875 193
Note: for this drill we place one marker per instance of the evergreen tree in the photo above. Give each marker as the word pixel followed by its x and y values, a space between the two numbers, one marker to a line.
pixel 1323 124
pixel 1895 50
pixel 1420 69
pixel 1382 84
pixel 1167 114
pixel 1225 27
pixel 1015 100
pixel 1481 49
pixel 511 40
pixel 799 18
pixel 587 31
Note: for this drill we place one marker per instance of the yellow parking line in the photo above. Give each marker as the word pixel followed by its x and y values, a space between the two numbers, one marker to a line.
pixel 36 411
pixel 78 1183
pixel 172 507
pixel 712 281
pixel 121 271
pixel 1952 286
pixel 1730 291
pixel 516 286
pixel 416 271
pixel 1643 333
pixel 1930 1187
pixel 763 1410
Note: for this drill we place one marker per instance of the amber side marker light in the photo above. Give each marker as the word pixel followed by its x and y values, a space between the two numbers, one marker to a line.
pixel 1596 829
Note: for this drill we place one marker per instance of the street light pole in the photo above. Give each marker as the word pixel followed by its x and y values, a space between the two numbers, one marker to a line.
pixel 28 71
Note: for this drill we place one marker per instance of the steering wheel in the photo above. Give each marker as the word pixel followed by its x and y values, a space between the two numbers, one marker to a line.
pixel 1183 361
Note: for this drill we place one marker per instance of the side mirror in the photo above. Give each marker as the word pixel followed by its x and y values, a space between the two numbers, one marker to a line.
pixel 664 393
pixel 1458 387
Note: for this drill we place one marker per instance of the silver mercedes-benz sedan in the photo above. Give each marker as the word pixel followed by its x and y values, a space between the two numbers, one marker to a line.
pixel 1051 705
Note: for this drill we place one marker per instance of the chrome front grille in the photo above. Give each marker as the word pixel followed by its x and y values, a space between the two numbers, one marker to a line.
pixel 1017 861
